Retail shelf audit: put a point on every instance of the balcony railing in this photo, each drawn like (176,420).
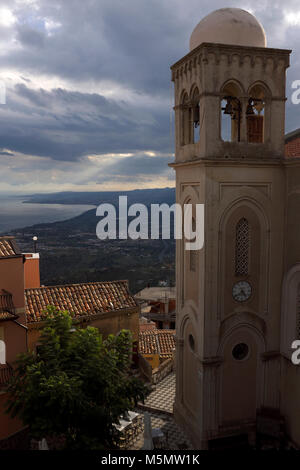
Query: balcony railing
(155,316)
(6,372)
(6,302)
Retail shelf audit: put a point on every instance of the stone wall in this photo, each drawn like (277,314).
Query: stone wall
(162,371)
(156,375)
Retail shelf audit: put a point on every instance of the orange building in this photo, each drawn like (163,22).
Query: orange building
(107,306)
(292,144)
(158,305)
(157,345)
(13,330)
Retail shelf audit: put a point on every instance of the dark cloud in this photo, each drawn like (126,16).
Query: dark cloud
(67,125)
(115,45)
(7,154)
(30,37)
(137,168)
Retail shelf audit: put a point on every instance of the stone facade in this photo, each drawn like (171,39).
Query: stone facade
(237,298)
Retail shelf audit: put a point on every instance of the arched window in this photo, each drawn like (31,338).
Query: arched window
(190,116)
(242,246)
(186,119)
(196,115)
(255,114)
(231,113)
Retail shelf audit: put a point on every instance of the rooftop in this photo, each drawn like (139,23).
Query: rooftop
(8,247)
(292,144)
(7,309)
(156,293)
(160,342)
(79,299)
(292,135)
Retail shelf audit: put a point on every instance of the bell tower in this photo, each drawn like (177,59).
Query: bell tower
(229,118)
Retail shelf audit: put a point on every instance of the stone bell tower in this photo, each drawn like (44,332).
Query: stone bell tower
(230,117)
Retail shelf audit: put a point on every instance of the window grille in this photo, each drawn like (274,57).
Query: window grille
(242,246)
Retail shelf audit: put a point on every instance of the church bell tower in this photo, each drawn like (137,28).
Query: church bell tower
(230,119)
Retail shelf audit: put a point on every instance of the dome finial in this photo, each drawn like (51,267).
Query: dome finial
(229,26)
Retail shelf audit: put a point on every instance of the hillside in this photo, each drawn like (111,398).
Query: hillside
(71,252)
(144,196)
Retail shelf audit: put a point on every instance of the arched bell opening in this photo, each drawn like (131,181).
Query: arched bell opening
(255,115)
(231,113)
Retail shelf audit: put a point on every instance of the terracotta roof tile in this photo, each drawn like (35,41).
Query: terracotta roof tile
(147,326)
(7,316)
(80,299)
(8,247)
(292,148)
(292,144)
(160,342)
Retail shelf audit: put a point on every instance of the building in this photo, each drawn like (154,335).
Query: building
(292,144)
(107,306)
(146,325)
(238,298)
(157,345)
(13,331)
(158,304)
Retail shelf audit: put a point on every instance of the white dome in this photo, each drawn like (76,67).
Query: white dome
(229,26)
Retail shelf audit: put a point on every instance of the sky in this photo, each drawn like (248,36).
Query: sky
(88,91)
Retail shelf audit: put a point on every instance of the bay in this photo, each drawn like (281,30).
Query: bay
(16,214)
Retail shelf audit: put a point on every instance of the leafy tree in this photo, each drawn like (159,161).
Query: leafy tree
(76,385)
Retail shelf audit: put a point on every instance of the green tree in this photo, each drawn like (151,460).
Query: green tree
(76,385)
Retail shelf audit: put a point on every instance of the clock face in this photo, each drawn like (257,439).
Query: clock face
(241,291)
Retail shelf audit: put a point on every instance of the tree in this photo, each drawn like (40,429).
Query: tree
(76,385)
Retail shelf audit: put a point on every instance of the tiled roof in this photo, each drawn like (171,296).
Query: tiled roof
(147,326)
(292,144)
(292,148)
(4,316)
(7,309)
(160,342)
(80,299)
(292,135)
(8,247)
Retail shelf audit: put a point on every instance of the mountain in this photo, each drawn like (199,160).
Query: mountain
(70,251)
(142,196)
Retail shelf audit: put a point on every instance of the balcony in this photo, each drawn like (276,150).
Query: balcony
(6,372)
(7,308)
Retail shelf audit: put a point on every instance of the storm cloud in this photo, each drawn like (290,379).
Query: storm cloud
(89,96)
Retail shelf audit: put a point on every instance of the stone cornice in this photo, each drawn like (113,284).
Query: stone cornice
(247,161)
(200,55)
(211,361)
(269,355)
(292,161)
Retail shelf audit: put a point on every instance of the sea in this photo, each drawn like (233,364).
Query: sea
(14,213)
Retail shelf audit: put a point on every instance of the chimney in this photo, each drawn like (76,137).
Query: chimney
(31,270)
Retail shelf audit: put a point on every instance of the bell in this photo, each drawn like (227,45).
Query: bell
(228,108)
(196,116)
(249,110)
